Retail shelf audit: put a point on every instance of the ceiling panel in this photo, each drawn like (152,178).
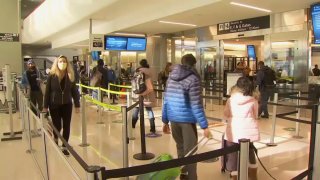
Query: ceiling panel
(217,13)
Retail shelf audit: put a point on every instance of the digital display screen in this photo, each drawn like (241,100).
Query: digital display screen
(95,55)
(116,43)
(251,52)
(315,14)
(136,44)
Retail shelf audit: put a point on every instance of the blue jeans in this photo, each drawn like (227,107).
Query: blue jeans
(135,117)
(95,94)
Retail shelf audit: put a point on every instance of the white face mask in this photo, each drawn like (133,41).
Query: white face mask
(62,66)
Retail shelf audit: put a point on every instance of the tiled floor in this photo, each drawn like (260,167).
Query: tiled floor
(284,161)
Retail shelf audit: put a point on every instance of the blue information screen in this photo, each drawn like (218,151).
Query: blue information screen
(136,44)
(116,43)
(95,55)
(315,13)
(251,51)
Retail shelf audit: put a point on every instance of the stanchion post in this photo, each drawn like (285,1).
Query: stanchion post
(30,150)
(243,159)
(143,155)
(109,86)
(11,118)
(84,121)
(42,114)
(129,116)
(99,107)
(125,140)
(94,173)
(297,136)
(316,146)
(274,119)
(204,99)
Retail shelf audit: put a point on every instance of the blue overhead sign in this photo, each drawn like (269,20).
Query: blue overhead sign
(116,43)
(315,13)
(136,44)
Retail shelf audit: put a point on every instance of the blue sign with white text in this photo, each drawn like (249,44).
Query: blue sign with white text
(136,44)
(116,43)
(315,13)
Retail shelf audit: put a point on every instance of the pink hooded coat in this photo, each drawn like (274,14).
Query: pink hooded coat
(241,112)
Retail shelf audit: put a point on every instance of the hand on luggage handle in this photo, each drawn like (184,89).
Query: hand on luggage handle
(197,145)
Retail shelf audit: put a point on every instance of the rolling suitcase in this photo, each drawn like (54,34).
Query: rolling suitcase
(168,174)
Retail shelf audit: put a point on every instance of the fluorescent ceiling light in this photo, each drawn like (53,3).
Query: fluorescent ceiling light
(251,7)
(130,34)
(177,23)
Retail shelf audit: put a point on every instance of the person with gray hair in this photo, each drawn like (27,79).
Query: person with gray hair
(183,108)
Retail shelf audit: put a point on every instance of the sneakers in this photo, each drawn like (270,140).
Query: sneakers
(265,116)
(65,152)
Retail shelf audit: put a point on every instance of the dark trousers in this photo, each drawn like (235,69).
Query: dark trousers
(62,113)
(36,98)
(232,158)
(186,137)
(265,94)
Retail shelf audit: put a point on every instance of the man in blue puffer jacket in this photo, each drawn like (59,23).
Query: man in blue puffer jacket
(183,108)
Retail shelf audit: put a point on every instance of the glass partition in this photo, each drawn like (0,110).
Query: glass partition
(208,64)
(282,60)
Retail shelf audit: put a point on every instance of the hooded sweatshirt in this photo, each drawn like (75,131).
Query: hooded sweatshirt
(182,99)
(241,112)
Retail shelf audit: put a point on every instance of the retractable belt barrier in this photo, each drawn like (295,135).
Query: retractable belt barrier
(313,171)
(143,169)
(120,86)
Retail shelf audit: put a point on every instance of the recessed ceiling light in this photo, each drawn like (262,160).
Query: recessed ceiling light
(251,7)
(130,34)
(177,23)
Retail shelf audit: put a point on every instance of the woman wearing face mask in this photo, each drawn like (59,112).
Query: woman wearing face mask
(60,90)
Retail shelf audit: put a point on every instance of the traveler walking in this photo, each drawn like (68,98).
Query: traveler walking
(241,113)
(148,95)
(266,83)
(31,80)
(183,108)
(60,91)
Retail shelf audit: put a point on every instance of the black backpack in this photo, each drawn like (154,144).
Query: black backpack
(138,82)
(269,77)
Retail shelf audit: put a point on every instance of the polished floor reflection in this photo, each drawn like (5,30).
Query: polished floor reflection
(284,161)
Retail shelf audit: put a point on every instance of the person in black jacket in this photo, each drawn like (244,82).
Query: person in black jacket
(32,79)
(100,81)
(60,91)
(266,83)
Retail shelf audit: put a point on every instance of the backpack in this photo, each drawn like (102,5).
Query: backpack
(269,77)
(96,78)
(138,82)
(111,75)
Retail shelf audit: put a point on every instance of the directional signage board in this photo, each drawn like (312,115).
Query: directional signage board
(244,25)
(9,37)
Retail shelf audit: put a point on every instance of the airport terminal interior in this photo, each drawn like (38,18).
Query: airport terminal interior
(228,38)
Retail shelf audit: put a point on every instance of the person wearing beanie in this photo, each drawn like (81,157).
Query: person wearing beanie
(183,108)
(31,80)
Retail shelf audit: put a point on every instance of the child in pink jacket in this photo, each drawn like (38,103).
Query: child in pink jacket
(241,113)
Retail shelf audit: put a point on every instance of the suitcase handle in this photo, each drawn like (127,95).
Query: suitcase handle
(197,145)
